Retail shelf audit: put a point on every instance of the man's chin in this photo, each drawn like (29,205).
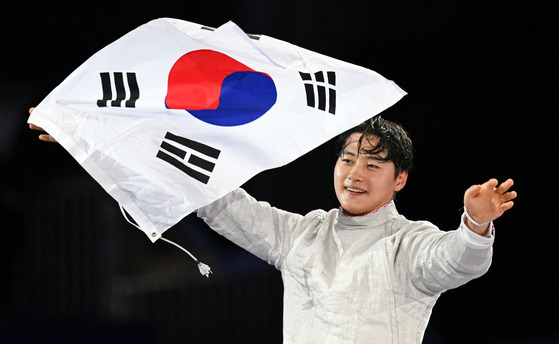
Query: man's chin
(351,212)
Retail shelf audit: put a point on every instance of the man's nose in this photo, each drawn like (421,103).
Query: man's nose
(355,173)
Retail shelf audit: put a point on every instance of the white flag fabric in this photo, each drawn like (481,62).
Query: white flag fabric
(174,115)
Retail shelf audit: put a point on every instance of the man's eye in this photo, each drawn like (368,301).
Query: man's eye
(372,166)
(347,161)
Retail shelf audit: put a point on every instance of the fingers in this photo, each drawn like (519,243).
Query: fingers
(503,190)
(491,183)
(505,186)
(34,127)
(46,138)
(506,206)
(492,187)
(508,196)
(31,110)
(42,137)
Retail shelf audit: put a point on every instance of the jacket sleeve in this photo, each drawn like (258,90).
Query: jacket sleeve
(437,261)
(257,227)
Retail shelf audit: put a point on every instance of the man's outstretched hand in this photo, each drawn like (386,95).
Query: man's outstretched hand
(487,202)
(42,137)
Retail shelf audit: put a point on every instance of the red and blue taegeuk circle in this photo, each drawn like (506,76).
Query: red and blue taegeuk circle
(219,90)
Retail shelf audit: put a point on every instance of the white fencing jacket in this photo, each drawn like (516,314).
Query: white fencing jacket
(376,285)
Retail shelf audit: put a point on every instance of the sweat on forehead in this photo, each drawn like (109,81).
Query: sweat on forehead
(364,144)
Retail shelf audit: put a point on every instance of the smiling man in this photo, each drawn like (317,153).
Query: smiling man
(364,273)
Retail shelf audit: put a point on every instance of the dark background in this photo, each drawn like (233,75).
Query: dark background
(481,79)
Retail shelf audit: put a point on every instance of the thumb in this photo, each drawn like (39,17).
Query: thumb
(472,191)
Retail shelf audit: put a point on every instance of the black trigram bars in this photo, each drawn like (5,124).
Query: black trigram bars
(320,90)
(119,87)
(170,153)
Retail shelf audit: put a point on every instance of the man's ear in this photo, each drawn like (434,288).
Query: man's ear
(401,181)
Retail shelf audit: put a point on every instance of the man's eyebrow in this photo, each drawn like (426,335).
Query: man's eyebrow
(347,152)
(375,157)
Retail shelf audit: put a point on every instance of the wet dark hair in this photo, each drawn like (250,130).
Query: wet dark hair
(392,139)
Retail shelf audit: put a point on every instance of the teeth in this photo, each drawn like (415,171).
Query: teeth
(354,190)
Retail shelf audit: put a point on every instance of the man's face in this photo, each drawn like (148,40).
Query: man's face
(362,182)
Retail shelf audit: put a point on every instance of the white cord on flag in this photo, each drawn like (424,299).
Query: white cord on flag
(204,269)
